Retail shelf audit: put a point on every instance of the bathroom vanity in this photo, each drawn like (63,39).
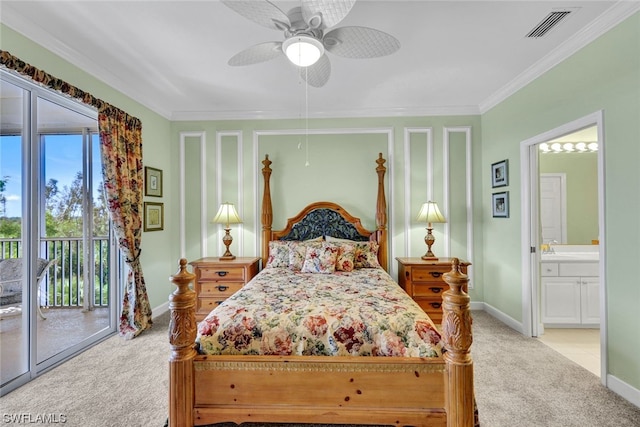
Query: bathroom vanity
(570,285)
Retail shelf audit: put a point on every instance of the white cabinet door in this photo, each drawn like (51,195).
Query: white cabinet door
(590,296)
(561,300)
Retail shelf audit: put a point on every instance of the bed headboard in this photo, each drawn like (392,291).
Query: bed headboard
(325,219)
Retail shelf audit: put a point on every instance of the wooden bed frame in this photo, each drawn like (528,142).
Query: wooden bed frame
(321,389)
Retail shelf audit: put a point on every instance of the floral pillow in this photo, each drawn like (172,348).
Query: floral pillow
(366,255)
(320,259)
(278,254)
(346,257)
(298,251)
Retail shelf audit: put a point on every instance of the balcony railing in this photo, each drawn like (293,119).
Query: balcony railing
(64,283)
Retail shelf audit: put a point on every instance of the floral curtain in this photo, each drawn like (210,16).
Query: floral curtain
(121,148)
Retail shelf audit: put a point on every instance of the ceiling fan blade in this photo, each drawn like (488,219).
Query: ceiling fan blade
(360,42)
(317,75)
(261,12)
(258,53)
(333,11)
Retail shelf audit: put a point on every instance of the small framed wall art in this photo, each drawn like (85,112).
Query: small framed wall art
(500,204)
(500,174)
(153,216)
(152,182)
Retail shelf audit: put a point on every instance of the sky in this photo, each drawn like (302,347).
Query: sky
(63,160)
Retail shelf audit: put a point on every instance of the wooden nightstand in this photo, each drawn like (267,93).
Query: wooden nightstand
(217,280)
(423,281)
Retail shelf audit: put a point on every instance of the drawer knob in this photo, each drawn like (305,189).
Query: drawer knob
(435,304)
(436,290)
(222,288)
(435,273)
(222,273)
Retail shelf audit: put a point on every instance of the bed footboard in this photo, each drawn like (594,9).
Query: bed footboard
(182,336)
(358,390)
(456,328)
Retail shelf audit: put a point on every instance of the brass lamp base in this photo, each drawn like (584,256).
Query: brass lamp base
(227,239)
(429,240)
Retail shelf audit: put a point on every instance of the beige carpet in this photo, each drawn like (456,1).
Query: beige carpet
(519,382)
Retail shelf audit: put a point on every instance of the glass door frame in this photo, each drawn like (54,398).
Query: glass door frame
(32,164)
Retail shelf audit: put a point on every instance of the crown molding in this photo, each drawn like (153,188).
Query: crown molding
(27,29)
(468,110)
(608,20)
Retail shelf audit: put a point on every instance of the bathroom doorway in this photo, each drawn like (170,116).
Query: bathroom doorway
(557,293)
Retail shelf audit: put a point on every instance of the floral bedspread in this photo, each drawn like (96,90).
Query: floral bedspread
(282,312)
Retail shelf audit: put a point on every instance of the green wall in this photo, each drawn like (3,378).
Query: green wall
(605,75)
(581,172)
(155,139)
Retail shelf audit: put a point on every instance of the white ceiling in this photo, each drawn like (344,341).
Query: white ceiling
(456,57)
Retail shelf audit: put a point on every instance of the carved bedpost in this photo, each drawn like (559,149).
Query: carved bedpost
(381,212)
(182,335)
(456,328)
(267,211)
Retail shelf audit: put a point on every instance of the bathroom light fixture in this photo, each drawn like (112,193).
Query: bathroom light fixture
(569,147)
(303,50)
(430,213)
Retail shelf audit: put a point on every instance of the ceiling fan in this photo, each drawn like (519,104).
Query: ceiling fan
(306,37)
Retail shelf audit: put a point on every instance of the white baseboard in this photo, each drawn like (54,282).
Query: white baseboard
(504,318)
(160,310)
(625,390)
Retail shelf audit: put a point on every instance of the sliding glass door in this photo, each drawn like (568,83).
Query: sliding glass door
(54,225)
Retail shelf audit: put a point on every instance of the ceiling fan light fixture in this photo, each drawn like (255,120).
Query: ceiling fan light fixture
(303,51)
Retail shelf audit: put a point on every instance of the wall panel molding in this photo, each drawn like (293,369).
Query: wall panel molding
(202,137)
(446,161)
(387,131)
(408,212)
(238,236)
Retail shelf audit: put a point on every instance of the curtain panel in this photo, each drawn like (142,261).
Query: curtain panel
(121,149)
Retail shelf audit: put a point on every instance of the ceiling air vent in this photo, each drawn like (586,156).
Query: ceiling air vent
(548,23)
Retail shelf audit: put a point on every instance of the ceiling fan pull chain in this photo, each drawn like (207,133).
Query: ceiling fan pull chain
(306,102)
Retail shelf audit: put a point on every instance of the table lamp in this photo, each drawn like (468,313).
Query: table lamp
(430,213)
(227,215)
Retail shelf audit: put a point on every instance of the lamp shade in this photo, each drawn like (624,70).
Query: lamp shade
(430,213)
(303,50)
(227,214)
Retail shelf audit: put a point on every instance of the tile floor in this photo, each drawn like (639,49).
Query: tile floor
(62,329)
(579,345)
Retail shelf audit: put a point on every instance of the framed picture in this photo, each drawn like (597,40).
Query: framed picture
(152,182)
(500,205)
(153,216)
(500,174)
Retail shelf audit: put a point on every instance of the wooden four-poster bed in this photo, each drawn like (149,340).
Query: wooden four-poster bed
(311,388)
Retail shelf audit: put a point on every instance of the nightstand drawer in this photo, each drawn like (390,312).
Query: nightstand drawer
(205,305)
(429,304)
(426,274)
(231,274)
(219,290)
(217,280)
(424,281)
(429,289)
